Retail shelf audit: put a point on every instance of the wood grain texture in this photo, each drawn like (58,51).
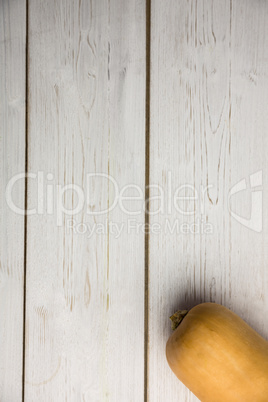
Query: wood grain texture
(12,156)
(208,131)
(85,284)
(248,161)
(85,296)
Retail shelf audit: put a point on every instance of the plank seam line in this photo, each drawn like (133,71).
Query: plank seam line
(25,193)
(147,194)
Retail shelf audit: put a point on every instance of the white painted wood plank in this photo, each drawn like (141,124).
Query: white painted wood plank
(209,125)
(12,156)
(85,295)
(249,164)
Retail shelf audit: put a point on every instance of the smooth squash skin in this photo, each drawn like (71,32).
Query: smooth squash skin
(218,356)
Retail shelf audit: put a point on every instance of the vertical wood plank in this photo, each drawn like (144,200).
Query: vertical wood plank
(208,132)
(85,291)
(249,164)
(12,155)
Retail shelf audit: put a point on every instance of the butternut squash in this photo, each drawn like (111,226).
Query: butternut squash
(218,356)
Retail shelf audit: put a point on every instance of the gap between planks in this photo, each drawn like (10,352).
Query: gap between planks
(147,195)
(25,193)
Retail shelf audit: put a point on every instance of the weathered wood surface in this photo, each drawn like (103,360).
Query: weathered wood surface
(209,96)
(12,156)
(86,116)
(85,296)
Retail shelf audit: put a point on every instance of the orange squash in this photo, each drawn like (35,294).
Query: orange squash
(218,356)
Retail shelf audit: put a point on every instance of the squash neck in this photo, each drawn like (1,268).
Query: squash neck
(177,318)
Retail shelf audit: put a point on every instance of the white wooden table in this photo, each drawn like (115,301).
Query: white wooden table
(100,99)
